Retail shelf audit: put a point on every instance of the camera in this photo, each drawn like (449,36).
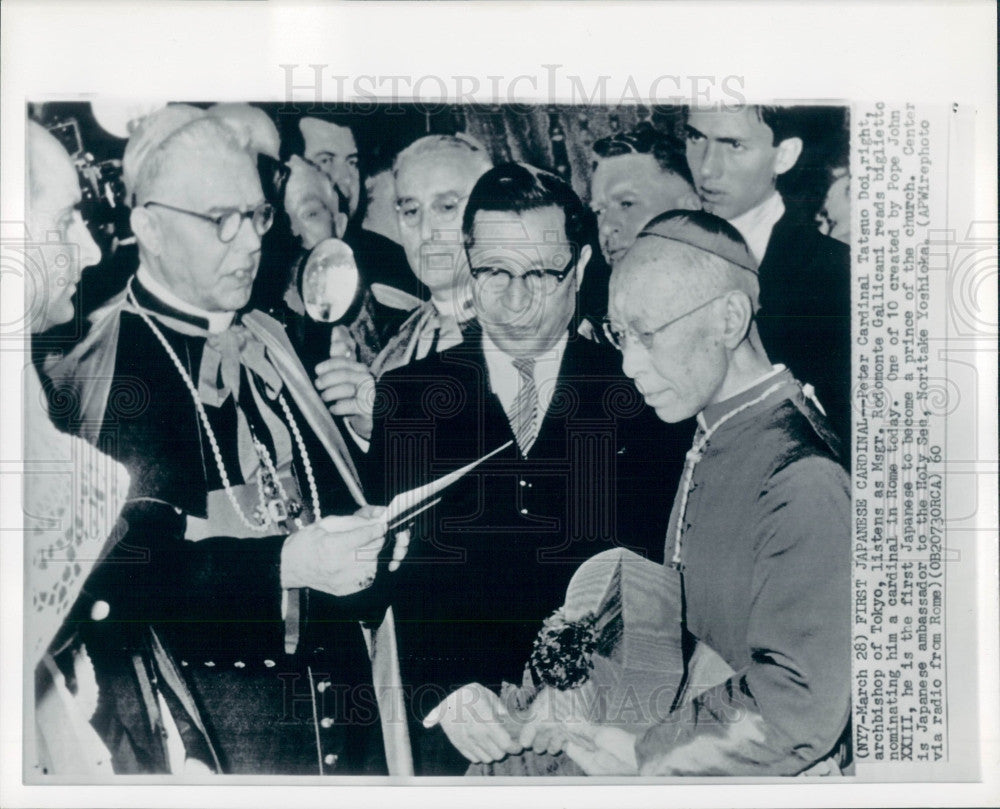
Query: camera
(104,200)
(104,205)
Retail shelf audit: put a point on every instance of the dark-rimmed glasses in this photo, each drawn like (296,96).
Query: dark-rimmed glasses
(617,337)
(494,281)
(228,223)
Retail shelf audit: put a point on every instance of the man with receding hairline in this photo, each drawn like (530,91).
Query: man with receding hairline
(54,197)
(637,175)
(433,176)
(760,526)
(225,642)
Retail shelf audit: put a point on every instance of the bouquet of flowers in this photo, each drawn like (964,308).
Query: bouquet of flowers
(616,642)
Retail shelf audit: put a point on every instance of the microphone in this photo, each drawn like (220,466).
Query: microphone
(330,281)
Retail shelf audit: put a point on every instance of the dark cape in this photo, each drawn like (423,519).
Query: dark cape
(210,610)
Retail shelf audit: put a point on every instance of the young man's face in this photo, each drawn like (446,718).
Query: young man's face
(626,192)
(733,159)
(524,315)
(336,155)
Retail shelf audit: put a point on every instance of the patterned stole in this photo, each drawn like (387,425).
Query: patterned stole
(425,332)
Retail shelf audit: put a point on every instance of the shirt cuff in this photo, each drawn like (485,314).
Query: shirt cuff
(363,443)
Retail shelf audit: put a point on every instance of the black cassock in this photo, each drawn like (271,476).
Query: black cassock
(217,652)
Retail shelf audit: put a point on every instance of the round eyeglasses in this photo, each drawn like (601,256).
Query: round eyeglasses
(618,337)
(228,223)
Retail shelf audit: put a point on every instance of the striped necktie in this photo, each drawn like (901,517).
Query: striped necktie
(525,410)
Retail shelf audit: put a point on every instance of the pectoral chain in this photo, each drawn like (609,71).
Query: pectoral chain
(275,505)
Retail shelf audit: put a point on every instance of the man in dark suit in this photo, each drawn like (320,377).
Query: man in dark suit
(588,467)
(736,157)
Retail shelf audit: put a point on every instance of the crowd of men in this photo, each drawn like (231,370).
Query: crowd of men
(252,602)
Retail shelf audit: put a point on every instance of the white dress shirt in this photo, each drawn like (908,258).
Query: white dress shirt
(755,225)
(505,379)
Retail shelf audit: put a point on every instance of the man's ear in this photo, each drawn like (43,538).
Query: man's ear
(789,151)
(146,228)
(581,263)
(739,314)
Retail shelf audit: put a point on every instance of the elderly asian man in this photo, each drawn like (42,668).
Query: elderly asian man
(760,526)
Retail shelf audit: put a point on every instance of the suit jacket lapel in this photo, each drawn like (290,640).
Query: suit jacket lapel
(573,370)
(495,420)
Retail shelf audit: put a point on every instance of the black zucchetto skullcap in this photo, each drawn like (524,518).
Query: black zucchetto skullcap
(703,231)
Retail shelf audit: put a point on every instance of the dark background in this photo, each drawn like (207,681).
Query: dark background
(521,132)
(553,137)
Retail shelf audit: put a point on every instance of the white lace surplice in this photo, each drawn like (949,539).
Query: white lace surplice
(72,496)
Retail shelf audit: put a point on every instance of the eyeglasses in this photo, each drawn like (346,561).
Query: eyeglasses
(228,223)
(494,281)
(618,337)
(445,208)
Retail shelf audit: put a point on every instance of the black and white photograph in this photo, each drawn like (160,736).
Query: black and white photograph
(404,432)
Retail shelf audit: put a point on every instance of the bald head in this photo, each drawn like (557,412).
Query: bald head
(63,245)
(445,148)
(682,301)
(171,161)
(685,257)
(49,165)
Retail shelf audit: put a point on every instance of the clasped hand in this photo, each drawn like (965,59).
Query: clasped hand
(472,717)
(346,385)
(557,722)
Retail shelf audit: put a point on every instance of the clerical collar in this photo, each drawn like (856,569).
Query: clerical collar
(755,225)
(213,322)
(778,375)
